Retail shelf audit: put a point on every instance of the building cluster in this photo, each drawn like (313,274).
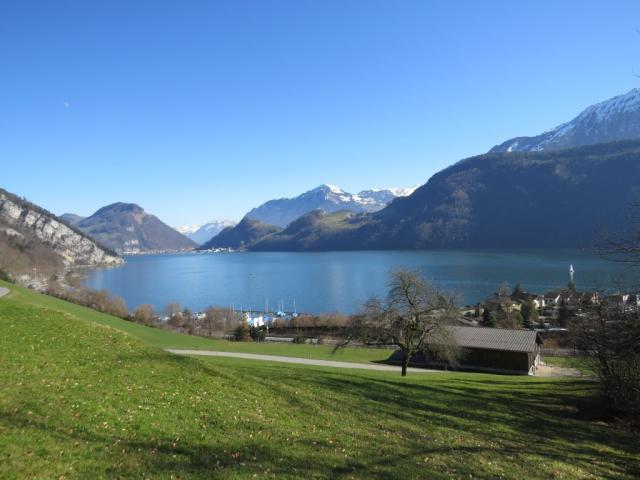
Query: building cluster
(262,319)
(545,311)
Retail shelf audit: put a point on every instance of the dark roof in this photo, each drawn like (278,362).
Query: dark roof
(564,292)
(496,338)
(498,299)
(524,296)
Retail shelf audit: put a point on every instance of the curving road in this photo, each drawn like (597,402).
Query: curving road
(302,361)
(3,291)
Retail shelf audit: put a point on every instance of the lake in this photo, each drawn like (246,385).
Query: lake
(339,281)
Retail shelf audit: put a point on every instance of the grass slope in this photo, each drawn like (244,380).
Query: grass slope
(83,400)
(167,339)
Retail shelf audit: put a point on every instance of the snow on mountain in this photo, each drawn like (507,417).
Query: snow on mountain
(203,233)
(326,197)
(384,196)
(188,229)
(615,119)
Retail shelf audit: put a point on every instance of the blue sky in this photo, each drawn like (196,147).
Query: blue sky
(202,110)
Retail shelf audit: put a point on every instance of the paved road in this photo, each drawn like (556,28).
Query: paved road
(3,291)
(303,361)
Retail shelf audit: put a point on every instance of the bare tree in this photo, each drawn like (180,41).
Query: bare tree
(609,336)
(411,318)
(174,313)
(144,314)
(218,320)
(623,245)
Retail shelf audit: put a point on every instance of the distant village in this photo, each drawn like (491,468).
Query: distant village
(545,312)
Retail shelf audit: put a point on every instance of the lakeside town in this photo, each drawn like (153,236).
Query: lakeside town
(511,331)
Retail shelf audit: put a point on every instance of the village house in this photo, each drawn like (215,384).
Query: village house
(629,302)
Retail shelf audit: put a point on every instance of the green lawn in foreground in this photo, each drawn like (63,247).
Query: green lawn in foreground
(167,339)
(81,400)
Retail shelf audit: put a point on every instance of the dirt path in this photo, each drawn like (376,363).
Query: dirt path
(553,371)
(303,361)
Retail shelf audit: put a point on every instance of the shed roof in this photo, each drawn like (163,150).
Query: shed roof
(496,338)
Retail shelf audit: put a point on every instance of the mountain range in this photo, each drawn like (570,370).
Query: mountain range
(563,198)
(329,198)
(127,228)
(559,189)
(203,233)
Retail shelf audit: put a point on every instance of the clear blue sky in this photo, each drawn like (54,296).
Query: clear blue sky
(201,110)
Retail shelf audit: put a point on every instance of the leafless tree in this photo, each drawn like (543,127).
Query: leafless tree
(218,320)
(609,336)
(174,313)
(411,318)
(623,246)
(144,314)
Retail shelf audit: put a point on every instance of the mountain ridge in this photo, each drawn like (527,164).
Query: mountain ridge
(34,240)
(242,235)
(557,198)
(127,228)
(617,118)
(282,211)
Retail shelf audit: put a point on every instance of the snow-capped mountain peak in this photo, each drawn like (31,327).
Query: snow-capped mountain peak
(326,197)
(332,189)
(187,229)
(203,233)
(615,119)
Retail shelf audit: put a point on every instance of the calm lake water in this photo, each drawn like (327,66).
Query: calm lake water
(339,281)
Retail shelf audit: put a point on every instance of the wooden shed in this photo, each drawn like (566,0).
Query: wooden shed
(498,350)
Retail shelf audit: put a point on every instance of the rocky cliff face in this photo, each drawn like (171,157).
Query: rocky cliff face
(72,246)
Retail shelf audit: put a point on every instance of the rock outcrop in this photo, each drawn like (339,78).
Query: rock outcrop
(74,247)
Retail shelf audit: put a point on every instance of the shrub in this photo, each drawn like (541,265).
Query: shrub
(610,337)
(5,276)
(242,332)
(258,334)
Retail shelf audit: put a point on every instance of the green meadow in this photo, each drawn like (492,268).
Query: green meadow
(168,339)
(85,395)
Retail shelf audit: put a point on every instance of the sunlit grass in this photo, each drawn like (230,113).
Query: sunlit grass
(167,339)
(82,400)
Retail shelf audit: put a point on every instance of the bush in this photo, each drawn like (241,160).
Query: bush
(242,332)
(258,334)
(299,339)
(5,276)
(610,337)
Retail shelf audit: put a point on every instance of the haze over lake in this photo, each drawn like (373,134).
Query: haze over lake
(339,281)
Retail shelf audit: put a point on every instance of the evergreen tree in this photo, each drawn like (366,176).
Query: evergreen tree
(488,318)
(243,332)
(517,290)
(564,314)
(529,314)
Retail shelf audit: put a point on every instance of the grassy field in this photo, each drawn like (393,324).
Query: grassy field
(84,400)
(167,339)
